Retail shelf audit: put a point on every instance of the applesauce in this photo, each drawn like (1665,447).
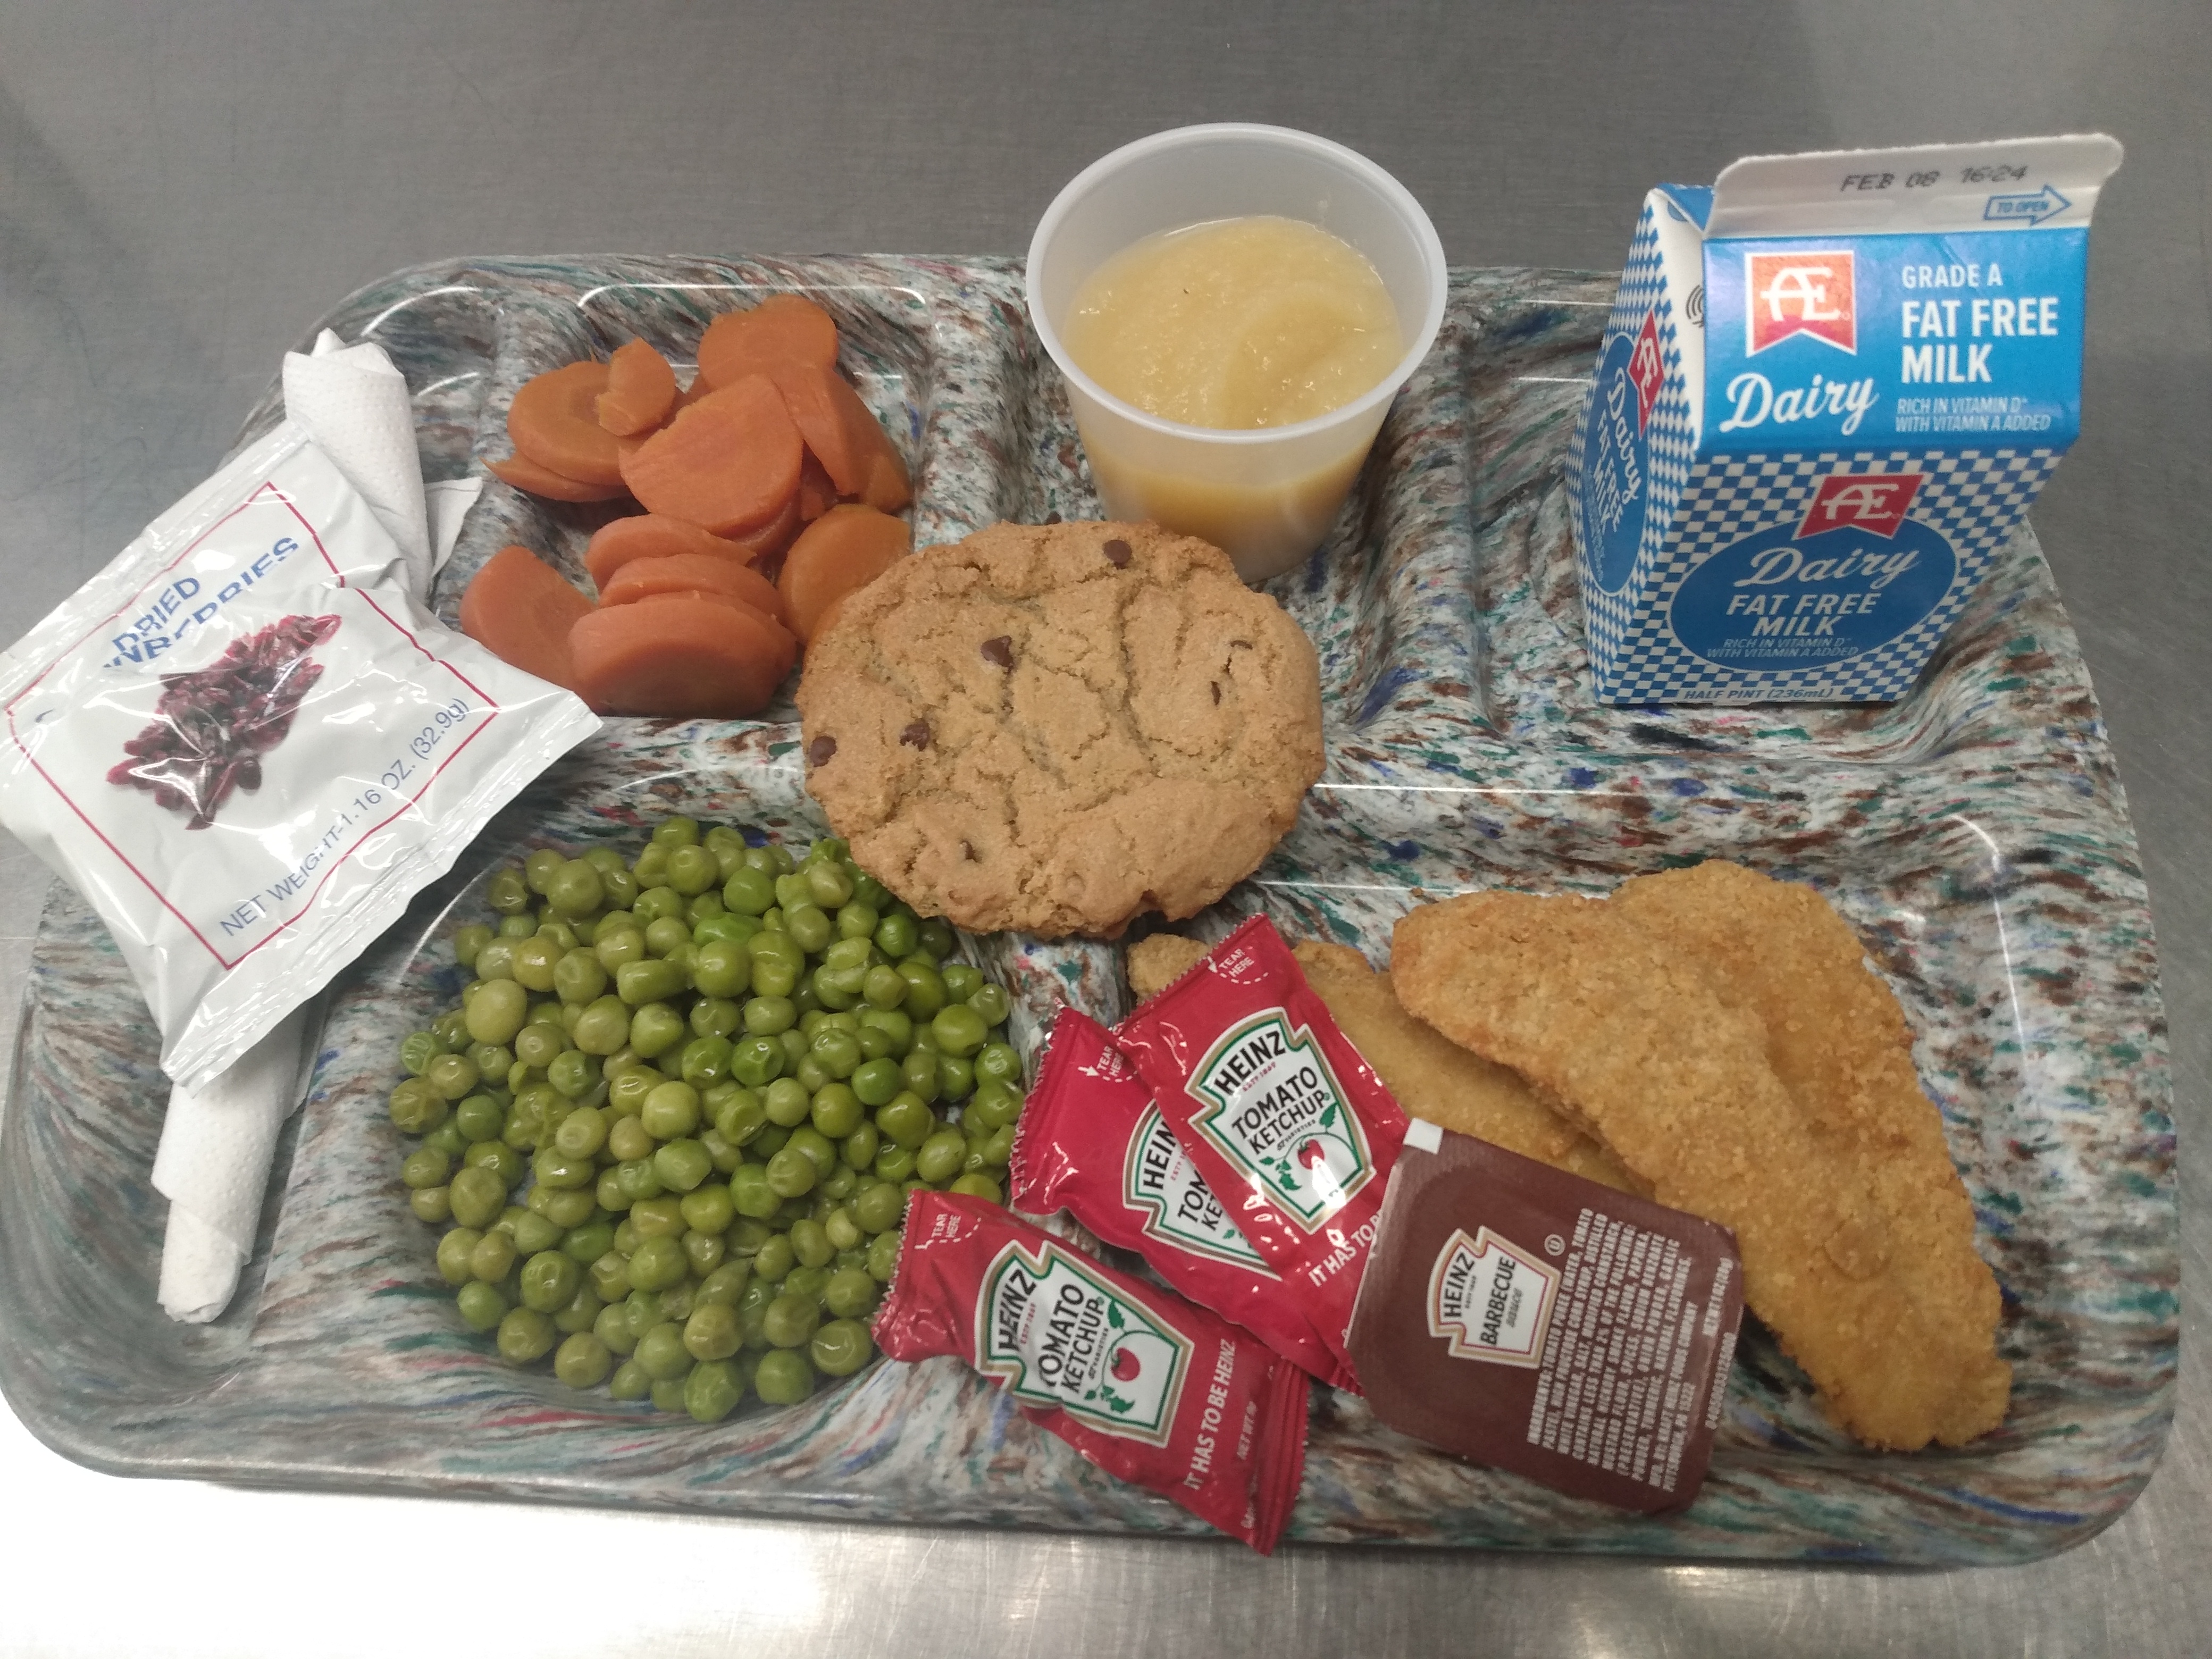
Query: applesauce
(1258,321)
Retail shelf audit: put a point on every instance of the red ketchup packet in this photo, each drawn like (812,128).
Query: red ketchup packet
(1280,1114)
(1151,1389)
(1092,1142)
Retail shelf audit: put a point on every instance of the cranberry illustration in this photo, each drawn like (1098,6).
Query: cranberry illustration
(1311,1155)
(1125,1365)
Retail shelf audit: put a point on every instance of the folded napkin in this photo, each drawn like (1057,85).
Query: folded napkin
(217,1143)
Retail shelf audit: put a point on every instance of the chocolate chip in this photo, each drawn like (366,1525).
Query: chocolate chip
(1118,551)
(1052,518)
(999,651)
(967,851)
(819,751)
(916,736)
(1216,691)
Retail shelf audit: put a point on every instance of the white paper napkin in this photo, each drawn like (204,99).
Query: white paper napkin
(217,1143)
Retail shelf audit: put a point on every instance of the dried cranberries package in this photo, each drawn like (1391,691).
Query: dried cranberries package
(1092,1142)
(1285,1121)
(248,746)
(1150,1387)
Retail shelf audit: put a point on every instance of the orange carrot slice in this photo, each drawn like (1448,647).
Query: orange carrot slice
(840,552)
(640,387)
(521,610)
(554,420)
(652,536)
(728,463)
(525,474)
(817,494)
(772,538)
(680,654)
(694,572)
(843,434)
(783,327)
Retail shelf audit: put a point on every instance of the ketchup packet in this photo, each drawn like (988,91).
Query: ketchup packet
(1093,1143)
(248,746)
(1527,1318)
(1149,1388)
(1279,1114)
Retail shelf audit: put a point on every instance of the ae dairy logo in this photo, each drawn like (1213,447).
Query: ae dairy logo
(1271,1104)
(1059,1335)
(1489,1299)
(1873,502)
(1647,369)
(1806,291)
(1158,1179)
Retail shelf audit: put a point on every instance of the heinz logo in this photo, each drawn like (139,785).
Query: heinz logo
(1873,502)
(1646,369)
(1806,292)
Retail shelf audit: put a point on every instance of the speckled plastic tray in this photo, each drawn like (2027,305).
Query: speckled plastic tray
(1974,833)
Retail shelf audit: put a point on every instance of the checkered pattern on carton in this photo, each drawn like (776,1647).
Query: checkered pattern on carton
(1974,499)
(1671,433)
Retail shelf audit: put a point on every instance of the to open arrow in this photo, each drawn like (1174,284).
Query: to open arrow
(2023,210)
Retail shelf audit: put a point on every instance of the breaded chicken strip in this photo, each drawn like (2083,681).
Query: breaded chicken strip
(1839,1043)
(1430,1076)
(1625,1032)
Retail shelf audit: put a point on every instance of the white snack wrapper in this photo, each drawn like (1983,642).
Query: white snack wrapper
(407,739)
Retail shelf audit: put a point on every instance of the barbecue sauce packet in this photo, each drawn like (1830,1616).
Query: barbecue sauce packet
(1092,1142)
(1531,1319)
(1152,1389)
(1280,1115)
(248,744)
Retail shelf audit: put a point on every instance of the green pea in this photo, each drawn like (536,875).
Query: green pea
(681,1165)
(431,1205)
(693,870)
(425,1167)
(574,1074)
(857,921)
(534,961)
(918,1071)
(672,1109)
(790,1320)
(874,1082)
(906,1120)
(809,1243)
(894,936)
(712,1333)
(674,831)
(449,1077)
(750,1194)
(705,1061)
(756,1061)
(617,948)
(640,982)
(839,1182)
(492,1257)
(778,961)
(707,1208)
(661,1352)
(925,989)
(655,1029)
(579,976)
(991,1001)
(766,1016)
(749,892)
(582,1360)
(956,1077)
(879,1209)
(627,1139)
(530,1231)
(882,1255)
(657,1263)
(787,1102)
(784,1377)
(978,1184)
(613,1327)
(638,1181)
(478,1195)
(792,1173)
(610,1279)
(586,1243)
(842,1346)
(794,1045)
(549,1279)
(816,1145)
(774,1258)
(894,1162)
(841,1230)
(961,980)
(564,1207)
(555,1168)
(994,1105)
(740,1117)
(507,892)
(574,887)
(608,1192)
(417,1050)
(808,928)
(658,1217)
(998,1062)
(882,988)
(454,1254)
(581,1312)
(502,1161)
(837,1052)
(959,1029)
(482,1305)
(658,902)
(713,1389)
(939,1158)
(539,867)
(837,1110)
(858,1149)
(807,1281)
(630,1382)
(582,1133)
(537,1045)
(827,885)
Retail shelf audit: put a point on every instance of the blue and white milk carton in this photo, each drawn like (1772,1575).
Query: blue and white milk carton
(1830,386)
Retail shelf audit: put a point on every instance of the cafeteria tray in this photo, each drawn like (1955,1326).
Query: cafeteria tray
(1974,833)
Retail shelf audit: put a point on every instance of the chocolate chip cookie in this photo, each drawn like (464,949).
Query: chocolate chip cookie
(1058,727)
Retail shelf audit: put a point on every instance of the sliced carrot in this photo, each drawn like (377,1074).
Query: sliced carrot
(688,572)
(681,654)
(652,536)
(640,387)
(727,463)
(840,552)
(521,610)
(817,494)
(525,474)
(554,420)
(783,327)
(843,432)
(772,538)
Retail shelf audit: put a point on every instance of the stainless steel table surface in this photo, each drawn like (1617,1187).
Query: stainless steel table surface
(184,187)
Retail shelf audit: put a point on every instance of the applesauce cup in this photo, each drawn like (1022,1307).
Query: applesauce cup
(1265,495)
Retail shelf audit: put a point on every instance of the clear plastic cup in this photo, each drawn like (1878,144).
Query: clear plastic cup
(1266,495)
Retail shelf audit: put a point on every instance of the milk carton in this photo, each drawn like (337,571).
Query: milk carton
(1830,386)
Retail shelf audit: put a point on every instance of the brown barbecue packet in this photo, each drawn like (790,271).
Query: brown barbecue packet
(1529,1319)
